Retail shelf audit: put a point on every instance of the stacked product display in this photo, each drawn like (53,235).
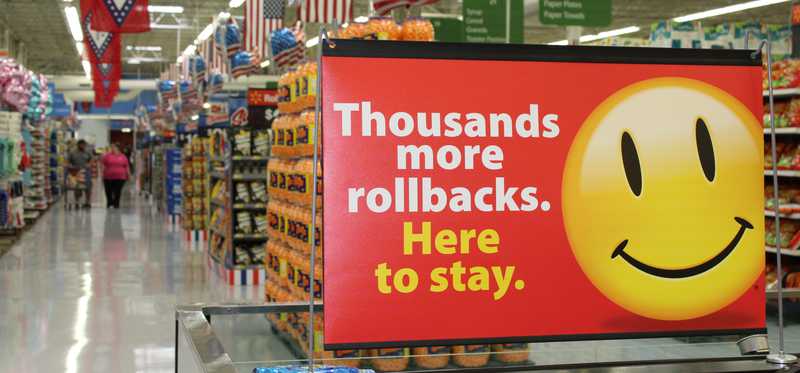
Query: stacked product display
(158,174)
(238,200)
(290,225)
(194,184)
(38,191)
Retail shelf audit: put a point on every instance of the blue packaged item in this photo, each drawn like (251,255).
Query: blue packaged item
(304,369)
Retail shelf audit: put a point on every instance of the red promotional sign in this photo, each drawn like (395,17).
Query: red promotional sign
(262,97)
(523,193)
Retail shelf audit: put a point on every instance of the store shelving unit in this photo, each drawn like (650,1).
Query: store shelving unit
(792,254)
(195,196)
(237,205)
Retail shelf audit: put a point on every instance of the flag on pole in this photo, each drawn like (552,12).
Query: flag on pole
(121,16)
(261,18)
(326,11)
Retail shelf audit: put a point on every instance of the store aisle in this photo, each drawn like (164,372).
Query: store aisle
(95,291)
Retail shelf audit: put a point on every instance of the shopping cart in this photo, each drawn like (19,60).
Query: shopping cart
(76,187)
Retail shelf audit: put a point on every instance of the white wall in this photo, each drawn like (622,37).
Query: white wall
(94,130)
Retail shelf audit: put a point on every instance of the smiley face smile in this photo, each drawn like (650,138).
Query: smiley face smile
(686,272)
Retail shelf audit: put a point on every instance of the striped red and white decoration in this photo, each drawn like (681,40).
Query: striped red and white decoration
(252,276)
(259,22)
(218,61)
(326,11)
(384,7)
(291,56)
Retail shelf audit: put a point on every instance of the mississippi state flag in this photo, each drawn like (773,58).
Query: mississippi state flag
(101,47)
(121,16)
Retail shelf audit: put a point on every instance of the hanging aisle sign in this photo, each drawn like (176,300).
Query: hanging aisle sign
(582,193)
(595,13)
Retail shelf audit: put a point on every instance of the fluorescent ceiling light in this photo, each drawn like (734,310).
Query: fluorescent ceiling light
(74,23)
(361,19)
(125,130)
(609,34)
(144,48)
(174,9)
(189,50)
(727,9)
(601,35)
(169,27)
(312,42)
(206,33)
(139,60)
(235,3)
(79,48)
(87,68)
(265,63)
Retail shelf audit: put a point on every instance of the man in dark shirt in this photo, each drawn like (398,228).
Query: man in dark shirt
(79,160)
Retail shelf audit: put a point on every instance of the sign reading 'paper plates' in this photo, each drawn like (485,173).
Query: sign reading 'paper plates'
(575,12)
(558,193)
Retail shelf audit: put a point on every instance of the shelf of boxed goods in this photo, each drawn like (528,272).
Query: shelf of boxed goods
(238,188)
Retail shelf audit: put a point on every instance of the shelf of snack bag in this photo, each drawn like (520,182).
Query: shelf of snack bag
(195,195)
(237,222)
(37,192)
(290,218)
(157,176)
(57,152)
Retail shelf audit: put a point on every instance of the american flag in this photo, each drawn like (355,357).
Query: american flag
(291,55)
(218,59)
(260,18)
(326,11)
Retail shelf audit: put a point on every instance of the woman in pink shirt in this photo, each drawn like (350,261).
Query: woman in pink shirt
(115,173)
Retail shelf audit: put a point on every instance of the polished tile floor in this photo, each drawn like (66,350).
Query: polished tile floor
(95,291)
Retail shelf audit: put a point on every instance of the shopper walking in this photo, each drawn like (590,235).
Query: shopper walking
(79,160)
(116,171)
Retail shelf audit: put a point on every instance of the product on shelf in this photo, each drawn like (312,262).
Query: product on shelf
(789,233)
(471,356)
(389,359)
(383,28)
(788,199)
(788,154)
(417,29)
(511,352)
(431,357)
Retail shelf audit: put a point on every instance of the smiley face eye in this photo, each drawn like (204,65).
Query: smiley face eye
(705,149)
(630,161)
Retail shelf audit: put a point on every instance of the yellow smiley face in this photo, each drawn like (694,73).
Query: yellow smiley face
(663,198)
